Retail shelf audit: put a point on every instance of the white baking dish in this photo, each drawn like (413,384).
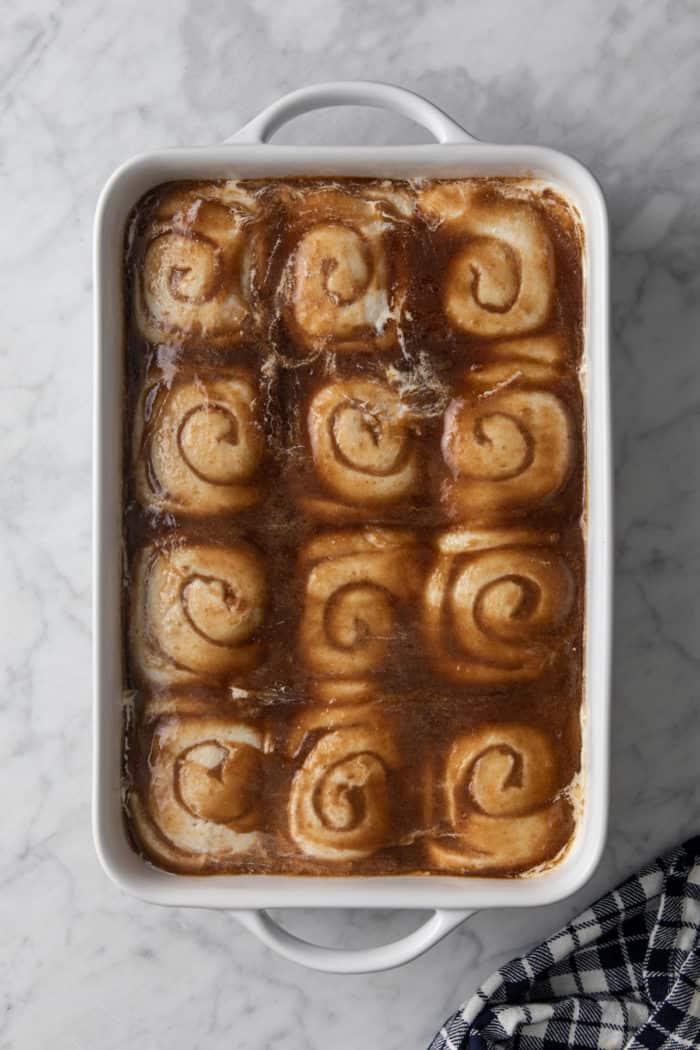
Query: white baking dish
(458,154)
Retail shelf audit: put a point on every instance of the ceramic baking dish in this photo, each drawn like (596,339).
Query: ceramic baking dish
(246,155)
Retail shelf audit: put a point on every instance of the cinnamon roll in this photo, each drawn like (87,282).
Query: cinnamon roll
(508,444)
(495,604)
(355,581)
(196,612)
(340,801)
(196,265)
(201,806)
(501,275)
(342,287)
(364,448)
(502,803)
(198,445)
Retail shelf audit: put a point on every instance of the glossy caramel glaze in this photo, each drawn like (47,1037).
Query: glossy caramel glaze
(354,526)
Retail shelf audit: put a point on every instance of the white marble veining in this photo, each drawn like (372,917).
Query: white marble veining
(82,86)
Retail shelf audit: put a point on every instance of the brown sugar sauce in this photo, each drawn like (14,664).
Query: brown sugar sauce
(406,613)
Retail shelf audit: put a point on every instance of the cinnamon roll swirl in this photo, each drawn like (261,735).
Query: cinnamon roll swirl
(198,445)
(340,802)
(196,612)
(364,447)
(202,804)
(354,584)
(341,289)
(495,604)
(196,265)
(501,277)
(502,803)
(508,444)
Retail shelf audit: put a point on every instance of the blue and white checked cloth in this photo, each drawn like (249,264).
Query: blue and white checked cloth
(624,974)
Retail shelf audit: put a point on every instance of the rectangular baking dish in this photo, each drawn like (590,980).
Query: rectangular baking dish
(247,155)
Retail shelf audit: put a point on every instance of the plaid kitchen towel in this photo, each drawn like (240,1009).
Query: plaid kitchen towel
(624,974)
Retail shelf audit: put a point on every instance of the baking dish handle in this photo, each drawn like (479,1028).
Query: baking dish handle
(351,960)
(352,93)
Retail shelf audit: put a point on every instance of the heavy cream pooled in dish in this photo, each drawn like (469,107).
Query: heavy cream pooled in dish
(353,521)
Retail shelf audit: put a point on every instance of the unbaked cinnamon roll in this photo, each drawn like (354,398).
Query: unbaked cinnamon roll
(354,584)
(501,799)
(342,288)
(196,265)
(495,605)
(202,803)
(500,279)
(364,448)
(508,443)
(340,802)
(196,612)
(198,445)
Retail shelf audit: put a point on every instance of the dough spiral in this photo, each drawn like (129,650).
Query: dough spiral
(364,447)
(495,604)
(342,289)
(196,612)
(340,802)
(197,262)
(501,276)
(501,802)
(508,443)
(355,581)
(198,446)
(202,805)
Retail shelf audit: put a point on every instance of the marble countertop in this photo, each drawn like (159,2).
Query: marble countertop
(86,85)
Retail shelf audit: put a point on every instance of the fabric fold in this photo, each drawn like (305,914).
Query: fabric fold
(624,975)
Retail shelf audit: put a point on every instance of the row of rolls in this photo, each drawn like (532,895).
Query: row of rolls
(496,440)
(217,264)
(483,609)
(349,786)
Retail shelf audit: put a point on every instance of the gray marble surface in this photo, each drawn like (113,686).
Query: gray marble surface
(82,87)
